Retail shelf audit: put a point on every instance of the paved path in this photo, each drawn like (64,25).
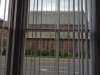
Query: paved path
(47,67)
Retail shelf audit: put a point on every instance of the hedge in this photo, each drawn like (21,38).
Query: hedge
(45,52)
(52,52)
(4,51)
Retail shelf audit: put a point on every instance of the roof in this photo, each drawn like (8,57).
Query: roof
(50,17)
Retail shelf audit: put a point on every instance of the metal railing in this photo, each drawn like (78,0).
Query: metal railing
(49,37)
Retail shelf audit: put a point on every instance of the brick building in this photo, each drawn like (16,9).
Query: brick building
(42,30)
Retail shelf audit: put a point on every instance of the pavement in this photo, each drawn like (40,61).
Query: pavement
(47,66)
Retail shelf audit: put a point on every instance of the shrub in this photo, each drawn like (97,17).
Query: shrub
(3,51)
(84,54)
(44,52)
(37,52)
(27,52)
(52,52)
(63,53)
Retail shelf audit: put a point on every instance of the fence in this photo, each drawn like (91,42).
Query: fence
(44,37)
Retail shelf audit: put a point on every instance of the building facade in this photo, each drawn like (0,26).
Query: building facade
(42,31)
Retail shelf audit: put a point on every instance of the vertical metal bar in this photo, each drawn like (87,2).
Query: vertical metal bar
(28,13)
(90,25)
(18,38)
(95,35)
(86,38)
(24,23)
(24,67)
(63,38)
(31,61)
(91,36)
(9,42)
(28,16)
(40,35)
(68,37)
(33,49)
(58,37)
(73,37)
(40,41)
(79,37)
(34,13)
(36,40)
(12,41)
(82,50)
(50,47)
(46,22)
(55,36)
(96,25)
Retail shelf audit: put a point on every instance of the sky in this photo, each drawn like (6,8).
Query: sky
(46,6)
